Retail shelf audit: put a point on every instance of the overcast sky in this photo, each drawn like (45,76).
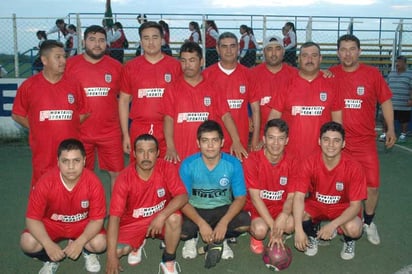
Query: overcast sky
(364,8)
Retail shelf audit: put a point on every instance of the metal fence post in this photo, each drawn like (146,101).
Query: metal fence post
(15,47)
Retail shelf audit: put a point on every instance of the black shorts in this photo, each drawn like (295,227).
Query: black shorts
(212,217)
(403,116)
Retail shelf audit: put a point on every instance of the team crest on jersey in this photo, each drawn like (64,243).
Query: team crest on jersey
(70,98)
(323,96)
(207,101)
(224,181)
(339,186)
(168,77)
(108,78)
(360,90)
(242,89)
(84,204)
(161,192)
(283,180)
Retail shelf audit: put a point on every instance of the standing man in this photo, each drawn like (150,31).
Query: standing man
(144,202)
(234,81)
(307,103)
(51,106)
(336,185)
(362,87)
(217,194)
(270,77)
(400,83)
(143,83)
(99,76)
(68,203)
(270,181)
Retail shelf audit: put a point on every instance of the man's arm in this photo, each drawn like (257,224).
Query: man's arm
(274,114)
(124,101)
(337,116)
(113,263)
(256,125)
(23,121)
(261,207)
(387,110)
(168,129)
(83,117)
(234,209)
(301,240)
(237,147)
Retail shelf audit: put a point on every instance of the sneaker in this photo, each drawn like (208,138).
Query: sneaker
(189,250)
(402,138)
(49,268)
(348,250)
(372,233)
(213,254)
(323,242)
(382,137)
(256,246)
(91,263)
(135,256)
(312,248)
(171,267)
(227,251)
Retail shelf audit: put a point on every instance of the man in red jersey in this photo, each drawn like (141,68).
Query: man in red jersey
(336,185)
(99,76)
(68,203)
(309,101)
(270,77)
(362,88)
(235,82)
(143,83)
(270,181)
(51,106)
(144,202)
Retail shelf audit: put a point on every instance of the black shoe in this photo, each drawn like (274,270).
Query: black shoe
(213,254)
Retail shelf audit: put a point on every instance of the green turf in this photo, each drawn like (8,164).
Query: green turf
(393,219)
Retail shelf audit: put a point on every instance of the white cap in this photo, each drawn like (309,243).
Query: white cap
(273,40)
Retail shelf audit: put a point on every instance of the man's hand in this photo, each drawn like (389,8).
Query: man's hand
(301,241)
(326,232)
(156,226)
(54,252)
(238,150)
(219,232)
(73,250)
(206,232)
(390,138)
(172,156)
(126,145)
(113,265)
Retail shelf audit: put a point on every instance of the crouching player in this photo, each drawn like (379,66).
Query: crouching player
(145,198)
(269,178)
(67,203)
(336,186)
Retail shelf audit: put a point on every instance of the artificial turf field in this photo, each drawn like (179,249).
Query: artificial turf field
(394,221)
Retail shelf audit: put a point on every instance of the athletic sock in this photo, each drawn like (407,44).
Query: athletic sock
(367,219)
(347,238)
(166,257)
(41,255)
(309,228)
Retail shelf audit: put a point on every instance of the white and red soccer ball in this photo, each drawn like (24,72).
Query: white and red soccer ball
(277,258)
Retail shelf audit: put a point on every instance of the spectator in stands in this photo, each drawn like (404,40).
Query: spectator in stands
(141,18)
(116,38)
(247,47)
(195,34)
(72,41)
(37,64)
(212,35)
(400,83)
(290,43)
(166,38)
(61,28)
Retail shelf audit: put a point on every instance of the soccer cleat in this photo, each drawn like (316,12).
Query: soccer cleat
(91,263)
(171,267)
(256,246)
(372,233)
(213,254)
(382,137)
(312,248)
(227,251)
(135,256)
(402,138)
(49,268)
(348,250)
(189,250)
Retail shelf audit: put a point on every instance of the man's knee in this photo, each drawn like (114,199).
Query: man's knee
(29,244)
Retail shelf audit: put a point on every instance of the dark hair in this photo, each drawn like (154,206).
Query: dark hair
(42,34)
(118,25)
(332,126)
(146,137)
(59,21)
(94,29)
(47,45)
(71,27)
(141,18)
(164,25)
(71,144)
(402,57)
(191,47)
(150,24)
(195,25)
(212,24)
(227,34)
(307,45)
(349,37)
(279,123)
(291,25)
(209,126)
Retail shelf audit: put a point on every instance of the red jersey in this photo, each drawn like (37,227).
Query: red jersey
(118,44)
(361,90)
(237,92)
(134,199)
(53,204)
(210,40)
(306,106)
(275,181)
(53,111)
(268,85)
(341,185)
(250,43)
(189,106)
(101,84)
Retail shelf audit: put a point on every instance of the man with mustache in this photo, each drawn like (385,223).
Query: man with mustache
(307,102)
(99,77)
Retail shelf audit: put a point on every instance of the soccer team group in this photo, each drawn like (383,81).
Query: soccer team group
(214,153)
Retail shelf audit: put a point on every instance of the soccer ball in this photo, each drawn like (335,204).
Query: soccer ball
(276,258)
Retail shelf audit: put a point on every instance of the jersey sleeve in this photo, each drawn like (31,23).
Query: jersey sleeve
(382,88)
(185,175)
(20,104)
(36,208)
(125,83)
(358,189)
(174,183)
(302,181)
(119,195)
(169,101)
(97,209)
(238,179)
(251,171)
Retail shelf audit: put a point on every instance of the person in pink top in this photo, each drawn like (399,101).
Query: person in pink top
(363,87)
(51,105)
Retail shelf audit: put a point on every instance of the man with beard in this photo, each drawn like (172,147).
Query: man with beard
(99,76)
